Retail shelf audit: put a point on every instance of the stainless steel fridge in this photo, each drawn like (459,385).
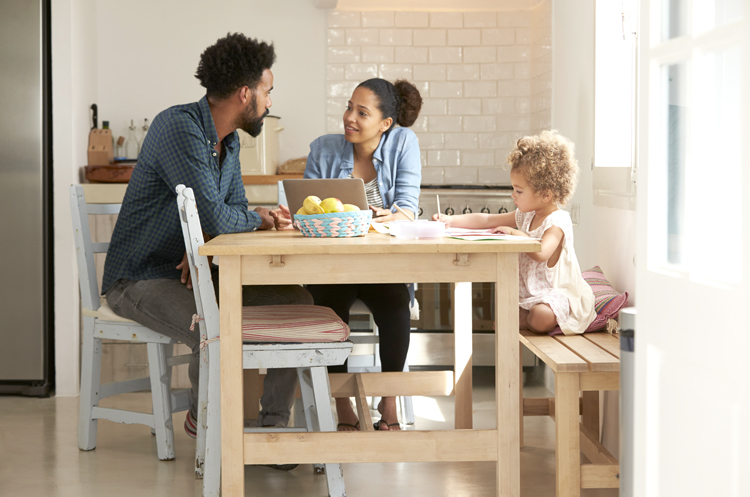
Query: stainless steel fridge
(26,324)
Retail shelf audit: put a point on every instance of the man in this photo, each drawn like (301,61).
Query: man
(146,276)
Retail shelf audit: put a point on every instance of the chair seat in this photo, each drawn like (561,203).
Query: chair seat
(105,313)
(292,323)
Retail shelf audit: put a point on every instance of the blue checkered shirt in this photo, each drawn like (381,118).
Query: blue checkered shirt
(147,240)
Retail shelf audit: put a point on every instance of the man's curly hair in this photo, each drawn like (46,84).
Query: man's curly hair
(233,62)
(548,163)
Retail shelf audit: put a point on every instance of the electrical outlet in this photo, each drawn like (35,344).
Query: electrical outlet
(575,214)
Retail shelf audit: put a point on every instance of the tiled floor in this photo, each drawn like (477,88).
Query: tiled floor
(39,456)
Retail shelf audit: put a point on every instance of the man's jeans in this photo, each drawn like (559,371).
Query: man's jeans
(167,306)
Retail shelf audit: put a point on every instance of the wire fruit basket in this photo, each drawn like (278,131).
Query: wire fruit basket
(334,224)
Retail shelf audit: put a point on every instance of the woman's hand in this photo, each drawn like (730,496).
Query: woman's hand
(381,215)
(282,219)
(442,217)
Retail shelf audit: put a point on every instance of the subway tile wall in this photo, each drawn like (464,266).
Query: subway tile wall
(484,77)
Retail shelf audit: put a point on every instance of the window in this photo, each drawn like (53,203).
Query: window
(695,139)
(615,103)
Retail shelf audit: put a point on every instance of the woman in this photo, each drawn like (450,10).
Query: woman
(387,159)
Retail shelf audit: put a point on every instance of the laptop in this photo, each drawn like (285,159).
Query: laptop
(348,190)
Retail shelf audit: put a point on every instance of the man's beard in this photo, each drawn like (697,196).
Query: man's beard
(249,122)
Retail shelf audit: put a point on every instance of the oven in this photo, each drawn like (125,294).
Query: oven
(431,343)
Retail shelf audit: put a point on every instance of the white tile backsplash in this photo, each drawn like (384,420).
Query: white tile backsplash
(396,37)
(446,89)
(412,19)
(362,36)
(434,106)
(464,106)
(461,141)
(446,20)
(499,36)
(485,124)
(430,37)
(464,37)
(336,37)
(485,79)
(377,54)
(443,158)
(360,72)
(378,19)
(445,123)
(392,72)
(463,72)
(340,19)
(480,54)
(445,55)
(414,55)
(480,19)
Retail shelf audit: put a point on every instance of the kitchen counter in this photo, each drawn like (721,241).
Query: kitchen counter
(261,190)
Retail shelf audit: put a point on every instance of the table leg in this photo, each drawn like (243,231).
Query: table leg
(232,456)
(462,329)
(506,377)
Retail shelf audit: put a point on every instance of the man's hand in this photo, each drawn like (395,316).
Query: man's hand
(282,218)
(185,268)
(267,220)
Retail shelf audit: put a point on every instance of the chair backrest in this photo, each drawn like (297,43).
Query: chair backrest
(85,248)
(200,270)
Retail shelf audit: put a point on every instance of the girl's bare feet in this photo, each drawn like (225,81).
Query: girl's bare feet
(389,416)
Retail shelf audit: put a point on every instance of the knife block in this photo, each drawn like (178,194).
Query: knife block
(100,151)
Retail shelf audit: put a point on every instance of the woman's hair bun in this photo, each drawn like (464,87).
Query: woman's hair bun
(410,103)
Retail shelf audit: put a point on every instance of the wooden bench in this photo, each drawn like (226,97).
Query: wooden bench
(583,366)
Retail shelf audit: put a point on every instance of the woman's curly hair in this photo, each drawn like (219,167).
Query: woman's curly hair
(548,163)
(233,62)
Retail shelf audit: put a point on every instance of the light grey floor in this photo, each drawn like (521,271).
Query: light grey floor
(39,456)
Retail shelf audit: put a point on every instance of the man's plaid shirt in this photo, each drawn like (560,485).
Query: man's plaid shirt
(147,240)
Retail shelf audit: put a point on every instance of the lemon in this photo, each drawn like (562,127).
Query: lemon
(351,207)
(302,211)
(332,204)
(312,205)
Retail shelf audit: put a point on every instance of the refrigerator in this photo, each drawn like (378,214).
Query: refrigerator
(26,316)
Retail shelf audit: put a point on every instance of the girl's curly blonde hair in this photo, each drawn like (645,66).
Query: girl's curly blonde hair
(548,163)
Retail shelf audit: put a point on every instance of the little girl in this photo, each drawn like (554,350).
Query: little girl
(552,291)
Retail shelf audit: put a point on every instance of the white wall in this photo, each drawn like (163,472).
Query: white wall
(73,91)
(605,236)
(148,53)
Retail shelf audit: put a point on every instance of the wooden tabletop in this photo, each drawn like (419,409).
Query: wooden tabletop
(290,242)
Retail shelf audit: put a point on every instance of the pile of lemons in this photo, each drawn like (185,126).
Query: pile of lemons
(313,205)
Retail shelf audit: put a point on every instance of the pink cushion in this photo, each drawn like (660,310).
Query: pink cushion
(608,300)
(292,323)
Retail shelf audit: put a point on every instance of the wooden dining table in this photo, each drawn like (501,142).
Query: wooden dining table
(288,257)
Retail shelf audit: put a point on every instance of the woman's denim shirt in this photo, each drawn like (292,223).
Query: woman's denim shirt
(396,160)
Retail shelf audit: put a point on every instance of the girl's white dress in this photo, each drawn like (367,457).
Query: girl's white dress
(561,286)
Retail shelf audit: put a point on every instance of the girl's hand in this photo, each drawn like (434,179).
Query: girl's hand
(507,230)
(442,217)
(381,215)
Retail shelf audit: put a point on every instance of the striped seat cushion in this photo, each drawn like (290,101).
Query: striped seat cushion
(292,323)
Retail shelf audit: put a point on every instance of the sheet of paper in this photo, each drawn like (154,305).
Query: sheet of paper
(380,227)
(478,235)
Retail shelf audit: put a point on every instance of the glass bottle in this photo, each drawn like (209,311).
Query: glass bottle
(131,144)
